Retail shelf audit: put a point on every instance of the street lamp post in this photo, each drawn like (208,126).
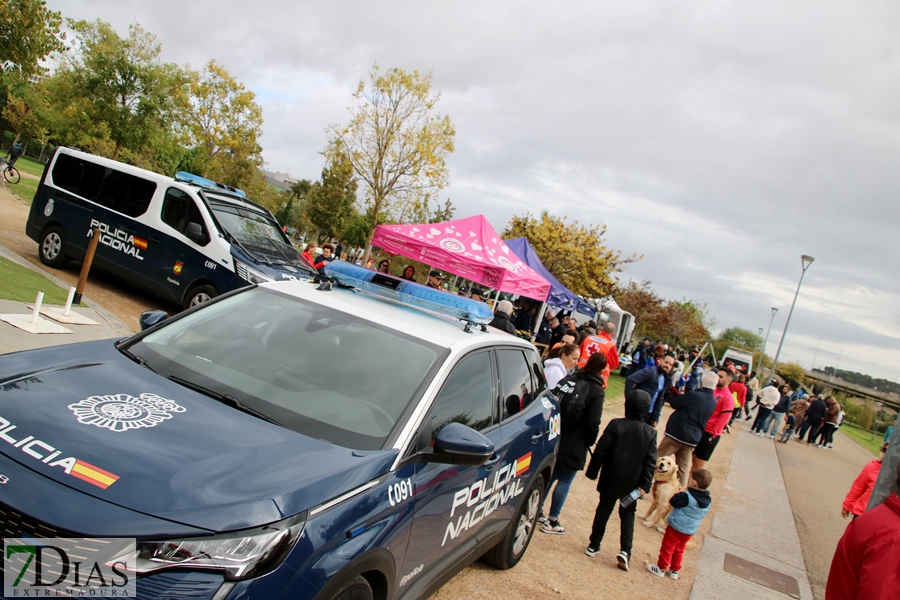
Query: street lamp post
(805,261)
(763,353)
(813,366)
(837,366)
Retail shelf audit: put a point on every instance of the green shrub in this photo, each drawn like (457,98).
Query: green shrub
(867,416)
(852,412)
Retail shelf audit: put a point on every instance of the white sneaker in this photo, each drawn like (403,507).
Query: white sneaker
(654,568)
(550,527)
(622,559)
(673,574)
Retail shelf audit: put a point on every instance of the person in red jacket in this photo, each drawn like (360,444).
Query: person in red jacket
(602,342)
(866,563)
(858,497)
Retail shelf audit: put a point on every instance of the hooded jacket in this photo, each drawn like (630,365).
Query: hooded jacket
(554,371)
(625,456)
(503,322)
(690,506)
(651,380)
(692,411)
(865,561)
(574,441)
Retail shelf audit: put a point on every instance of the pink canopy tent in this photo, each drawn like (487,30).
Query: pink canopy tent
(469,248)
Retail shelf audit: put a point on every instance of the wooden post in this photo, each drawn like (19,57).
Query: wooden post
(86,265)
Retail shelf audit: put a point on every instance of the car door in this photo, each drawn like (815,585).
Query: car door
(524,425)
(453,502)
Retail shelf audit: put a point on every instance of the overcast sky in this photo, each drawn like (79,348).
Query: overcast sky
(720,139)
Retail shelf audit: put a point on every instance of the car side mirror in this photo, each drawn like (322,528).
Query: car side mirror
(457,444)
(152,317)
(195,234)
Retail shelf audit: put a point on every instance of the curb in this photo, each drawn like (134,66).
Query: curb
(112,320)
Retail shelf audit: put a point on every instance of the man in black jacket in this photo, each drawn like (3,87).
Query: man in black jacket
(654,381)
(625,458)
(814,415)
(502,319)
(685,426)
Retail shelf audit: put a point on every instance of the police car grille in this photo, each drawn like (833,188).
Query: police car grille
(241,271)
(14,524)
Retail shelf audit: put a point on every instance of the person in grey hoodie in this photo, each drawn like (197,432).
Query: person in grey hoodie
(560,363)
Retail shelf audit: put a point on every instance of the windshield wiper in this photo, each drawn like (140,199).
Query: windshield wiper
(138,359)
(224,399)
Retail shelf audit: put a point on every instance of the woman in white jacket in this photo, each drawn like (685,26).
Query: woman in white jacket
(561,362)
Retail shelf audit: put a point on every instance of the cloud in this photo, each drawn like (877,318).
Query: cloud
(720,140)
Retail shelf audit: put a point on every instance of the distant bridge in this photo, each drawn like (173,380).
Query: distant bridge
(888,399)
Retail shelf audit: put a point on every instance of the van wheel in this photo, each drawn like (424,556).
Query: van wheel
(199,294)
(355,589)
(52,248)
(511,548)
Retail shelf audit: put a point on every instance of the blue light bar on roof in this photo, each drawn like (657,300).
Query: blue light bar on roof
(408,292)
(208,184)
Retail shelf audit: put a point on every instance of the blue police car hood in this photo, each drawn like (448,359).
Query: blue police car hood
(91,419)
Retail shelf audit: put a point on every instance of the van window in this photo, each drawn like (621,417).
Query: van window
(78,176)
(126,193)
(179,209)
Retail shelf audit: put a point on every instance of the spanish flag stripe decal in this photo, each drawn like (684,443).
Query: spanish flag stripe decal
(92,474)
(142,244)
(523,464)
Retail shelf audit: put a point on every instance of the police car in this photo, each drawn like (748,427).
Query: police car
(364,437)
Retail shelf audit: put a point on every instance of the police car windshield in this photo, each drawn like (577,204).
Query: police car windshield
(256,232)
(320,372)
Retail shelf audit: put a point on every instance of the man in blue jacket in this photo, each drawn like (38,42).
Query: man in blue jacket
(653,381)
(685,426)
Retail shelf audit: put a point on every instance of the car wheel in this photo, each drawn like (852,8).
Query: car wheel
(511,548)
(355,589)
(52,248)
(199,294)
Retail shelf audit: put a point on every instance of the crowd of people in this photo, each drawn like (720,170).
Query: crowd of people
(705,403)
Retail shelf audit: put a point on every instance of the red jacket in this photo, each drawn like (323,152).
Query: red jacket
(858,497)
(866,563)
(602,342)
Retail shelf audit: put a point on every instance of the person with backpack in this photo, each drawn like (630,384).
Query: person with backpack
(580,408)
(625,458)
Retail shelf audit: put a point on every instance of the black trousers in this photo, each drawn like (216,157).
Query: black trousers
(813,430)
(626,516)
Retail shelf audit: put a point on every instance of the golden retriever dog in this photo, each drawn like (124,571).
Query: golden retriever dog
(665,485)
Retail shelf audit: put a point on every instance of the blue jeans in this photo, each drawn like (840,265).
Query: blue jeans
(774,419)
(563,477)
(787,434)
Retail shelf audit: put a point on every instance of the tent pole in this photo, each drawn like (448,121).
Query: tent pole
(496,300)
(540,318)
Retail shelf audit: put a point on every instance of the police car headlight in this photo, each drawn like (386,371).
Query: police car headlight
(244,556)
(251,275)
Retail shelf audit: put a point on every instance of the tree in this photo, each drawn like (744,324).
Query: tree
(29,32)
(222,123)
(395,141)
(443,212)
(123,87)
(791,372)
(688,321)
(25,113)
(332,199)
(574,253)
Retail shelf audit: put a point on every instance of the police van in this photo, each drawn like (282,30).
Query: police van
(186,239)
(361,439)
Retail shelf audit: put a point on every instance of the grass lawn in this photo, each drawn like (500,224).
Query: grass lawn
(615,388)
(863,437)
(21,284)
(29,165)
(25,189)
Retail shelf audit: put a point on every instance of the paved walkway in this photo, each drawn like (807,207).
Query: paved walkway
(13,339)
(753,532)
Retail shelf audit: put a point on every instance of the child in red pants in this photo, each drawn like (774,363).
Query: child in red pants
(689,508)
